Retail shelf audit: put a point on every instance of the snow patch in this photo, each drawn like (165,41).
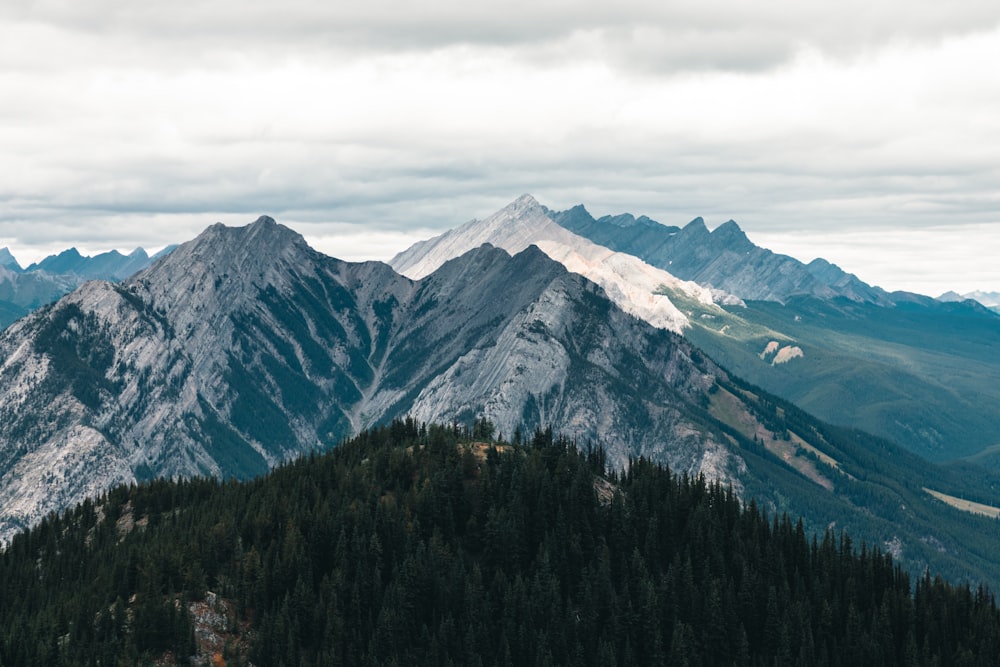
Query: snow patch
(775,354)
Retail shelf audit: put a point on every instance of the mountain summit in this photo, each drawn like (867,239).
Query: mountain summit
(8,261)
(634,286)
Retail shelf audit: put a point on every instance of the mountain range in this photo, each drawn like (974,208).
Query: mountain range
(244,348)
(724,258)
(23,290)
(989,299)
(903,366)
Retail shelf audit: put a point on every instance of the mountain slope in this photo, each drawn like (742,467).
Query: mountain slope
(919,372)
(899,365)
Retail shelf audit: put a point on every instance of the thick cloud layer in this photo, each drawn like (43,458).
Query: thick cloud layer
(366,125)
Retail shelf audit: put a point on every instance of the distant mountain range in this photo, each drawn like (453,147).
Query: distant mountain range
(23,290)
(900,365)
(724,259)
(989,299)
(244,348)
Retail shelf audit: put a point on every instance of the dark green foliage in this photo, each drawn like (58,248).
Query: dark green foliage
(253,410)
(887,481)
(411,545)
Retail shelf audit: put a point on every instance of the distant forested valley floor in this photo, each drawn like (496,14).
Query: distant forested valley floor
(434,545)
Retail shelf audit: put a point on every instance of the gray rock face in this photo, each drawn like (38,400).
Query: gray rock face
(245,347)
(723,259)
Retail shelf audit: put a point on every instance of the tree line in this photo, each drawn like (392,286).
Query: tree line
(438,545)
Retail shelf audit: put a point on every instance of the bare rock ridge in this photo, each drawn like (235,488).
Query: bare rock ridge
(245,347)
(632,284)
(8,261)
(723,258)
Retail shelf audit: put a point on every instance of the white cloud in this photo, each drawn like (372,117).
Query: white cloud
(918,261)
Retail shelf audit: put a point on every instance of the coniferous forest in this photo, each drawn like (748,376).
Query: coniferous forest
(432,545)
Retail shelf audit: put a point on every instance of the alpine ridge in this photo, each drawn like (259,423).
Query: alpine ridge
(723,258)
(631,283)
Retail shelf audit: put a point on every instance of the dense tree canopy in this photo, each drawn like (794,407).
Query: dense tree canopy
(423,545)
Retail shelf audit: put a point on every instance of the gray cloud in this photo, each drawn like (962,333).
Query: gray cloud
(141,123)
(714,34)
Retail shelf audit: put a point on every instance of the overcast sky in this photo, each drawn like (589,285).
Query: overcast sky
(863,131)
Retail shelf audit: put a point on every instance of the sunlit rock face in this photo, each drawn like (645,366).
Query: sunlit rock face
(631,283)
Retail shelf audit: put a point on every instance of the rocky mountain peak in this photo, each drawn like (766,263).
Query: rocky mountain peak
(633,285)
(695,228)
(64,262)
(226,248)
(730,234)
(523,203)
(203,281)
(7,260)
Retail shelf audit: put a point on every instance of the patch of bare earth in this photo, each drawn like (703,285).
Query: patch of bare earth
(966,505)
(728,409)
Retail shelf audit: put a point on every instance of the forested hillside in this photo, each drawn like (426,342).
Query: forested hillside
(437,545)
